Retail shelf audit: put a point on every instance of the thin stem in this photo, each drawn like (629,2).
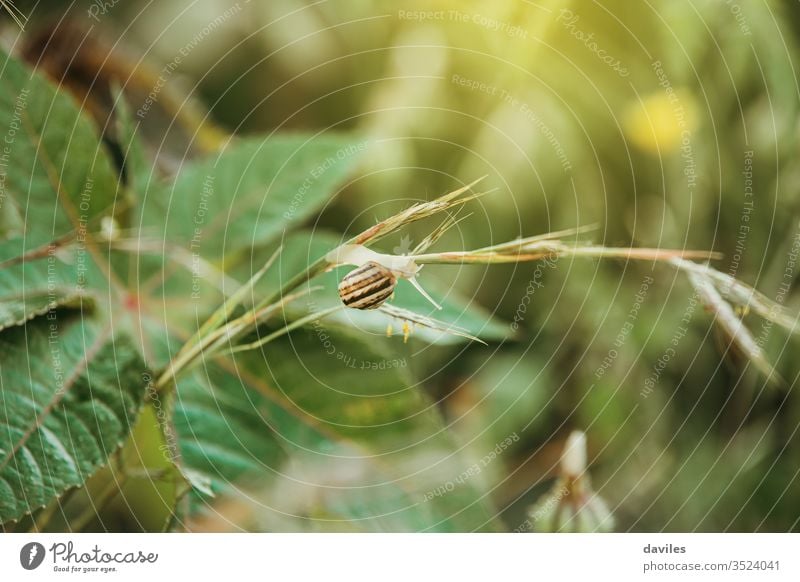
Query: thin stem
(41,252)
(317,267)
(533,252)
(210,343)
(284,330)
(230,304)
(643,254)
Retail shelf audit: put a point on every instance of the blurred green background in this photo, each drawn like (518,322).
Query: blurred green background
(670,123)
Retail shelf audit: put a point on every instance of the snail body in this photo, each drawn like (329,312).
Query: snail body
(368,286)
(373,282)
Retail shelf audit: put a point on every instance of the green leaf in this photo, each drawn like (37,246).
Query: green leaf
(146,484)
(152,482)
(17,310)
(333,395)
(67,277)
(56,172)
(250,192)
(224,430)
(56,176)
(70,394)
(138,490)
(241,419)
(238,421)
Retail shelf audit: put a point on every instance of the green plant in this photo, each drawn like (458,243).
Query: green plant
(169,341)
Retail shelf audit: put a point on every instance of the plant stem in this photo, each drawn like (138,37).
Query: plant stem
(210,343)
(535,252)
(286,329)
(229,304)
(312,271)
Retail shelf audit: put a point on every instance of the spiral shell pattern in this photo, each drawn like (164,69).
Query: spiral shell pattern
(367,287)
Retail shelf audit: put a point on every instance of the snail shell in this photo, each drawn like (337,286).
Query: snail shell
(367,287)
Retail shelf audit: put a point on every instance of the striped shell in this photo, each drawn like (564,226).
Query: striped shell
(367,287)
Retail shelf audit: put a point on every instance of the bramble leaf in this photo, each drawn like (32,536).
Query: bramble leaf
(328,397)
(70,394)
(249,193)
(58,177)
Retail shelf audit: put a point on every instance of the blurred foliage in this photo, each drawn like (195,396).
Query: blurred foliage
(695,146)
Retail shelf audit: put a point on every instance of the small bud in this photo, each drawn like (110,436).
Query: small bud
(567,510)
(109,228)
(573,459)
(571,505)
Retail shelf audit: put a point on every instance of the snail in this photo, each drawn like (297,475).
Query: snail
(375,277)
(368,286)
